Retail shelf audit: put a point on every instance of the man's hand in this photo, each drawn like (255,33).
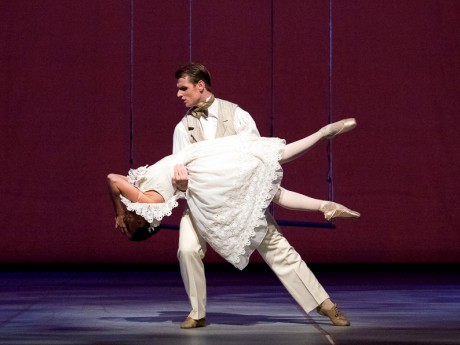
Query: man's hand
(180,177)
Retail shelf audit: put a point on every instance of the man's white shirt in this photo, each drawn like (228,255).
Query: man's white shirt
(244,125)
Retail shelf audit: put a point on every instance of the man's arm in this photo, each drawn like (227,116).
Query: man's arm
(180,138)
(180,177)
(245,124)
(180,141)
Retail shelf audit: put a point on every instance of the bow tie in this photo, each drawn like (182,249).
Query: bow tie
(202,110)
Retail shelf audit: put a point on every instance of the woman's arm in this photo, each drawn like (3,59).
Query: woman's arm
(245,124)
(119,185)
(120,209)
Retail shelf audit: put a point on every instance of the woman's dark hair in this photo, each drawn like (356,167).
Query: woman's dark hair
(138,228)
(143,232)
(195,72)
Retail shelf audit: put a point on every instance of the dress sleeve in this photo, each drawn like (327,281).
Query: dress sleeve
(153,213)
(245,124)
(156,177)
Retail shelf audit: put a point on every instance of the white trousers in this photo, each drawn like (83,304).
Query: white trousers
(282,258)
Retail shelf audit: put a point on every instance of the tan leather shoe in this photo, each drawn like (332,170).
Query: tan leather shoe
(192,323)
(336,316)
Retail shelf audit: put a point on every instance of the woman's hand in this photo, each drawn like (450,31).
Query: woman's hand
(180,177)
(120,224)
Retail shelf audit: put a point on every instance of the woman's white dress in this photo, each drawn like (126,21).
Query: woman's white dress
(232,180)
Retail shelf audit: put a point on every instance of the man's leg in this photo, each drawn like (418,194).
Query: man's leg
(293,272)
(192,249)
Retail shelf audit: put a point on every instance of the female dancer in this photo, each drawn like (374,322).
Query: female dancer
(231,182)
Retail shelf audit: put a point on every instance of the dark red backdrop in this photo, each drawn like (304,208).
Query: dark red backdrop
(76,76)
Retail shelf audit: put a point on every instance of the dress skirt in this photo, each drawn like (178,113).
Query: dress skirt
(232,181)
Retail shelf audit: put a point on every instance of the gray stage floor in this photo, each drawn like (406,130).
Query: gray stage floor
(249,307)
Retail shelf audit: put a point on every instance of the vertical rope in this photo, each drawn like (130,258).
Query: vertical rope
(131,86)
(272,53)
(190,32)
(329,145)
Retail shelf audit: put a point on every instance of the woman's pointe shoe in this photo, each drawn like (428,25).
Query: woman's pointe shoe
(334,210)
(339,127)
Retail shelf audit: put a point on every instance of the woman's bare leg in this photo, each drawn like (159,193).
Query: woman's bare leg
(297,148)
(296,201)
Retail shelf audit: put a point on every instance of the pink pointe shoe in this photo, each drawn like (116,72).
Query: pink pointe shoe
(334,210)
(339,127)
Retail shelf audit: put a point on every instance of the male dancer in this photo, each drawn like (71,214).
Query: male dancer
(209,117)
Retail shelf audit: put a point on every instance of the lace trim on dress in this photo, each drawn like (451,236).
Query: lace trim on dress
(153,213)
(241,225)
(137,176)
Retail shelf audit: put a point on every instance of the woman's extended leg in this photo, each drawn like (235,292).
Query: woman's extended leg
(299,147)
(295,201)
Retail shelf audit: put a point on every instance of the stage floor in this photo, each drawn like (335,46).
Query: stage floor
(247,308)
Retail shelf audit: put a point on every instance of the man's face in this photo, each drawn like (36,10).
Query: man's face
(190,94)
